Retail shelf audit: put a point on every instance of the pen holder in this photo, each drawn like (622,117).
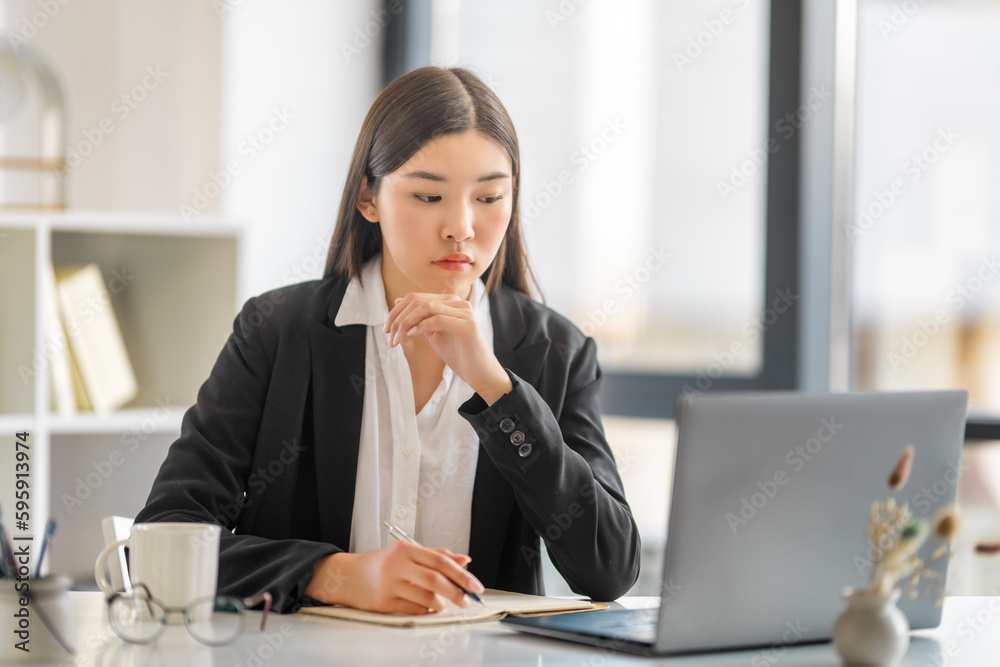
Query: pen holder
(32,612)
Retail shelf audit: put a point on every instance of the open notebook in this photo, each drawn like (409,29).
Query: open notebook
(498,605)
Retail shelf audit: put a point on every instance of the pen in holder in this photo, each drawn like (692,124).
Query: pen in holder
(37,619)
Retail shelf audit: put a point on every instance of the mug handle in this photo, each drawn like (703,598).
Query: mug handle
(100,569)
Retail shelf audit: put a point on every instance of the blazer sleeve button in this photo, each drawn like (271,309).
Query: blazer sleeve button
(517,438)
(506,424)
(524,450)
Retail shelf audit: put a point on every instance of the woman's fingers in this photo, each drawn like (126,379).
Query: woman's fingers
(446,567)
(412,310)
(461,559)
(432,321)
(430,325)
(435,575)
(414,596)
(400,578)
(408,578)
(436,588)
(449,324)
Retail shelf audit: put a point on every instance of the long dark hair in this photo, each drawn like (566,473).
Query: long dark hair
(415,108)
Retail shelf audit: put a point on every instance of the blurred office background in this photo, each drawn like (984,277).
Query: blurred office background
(726,194)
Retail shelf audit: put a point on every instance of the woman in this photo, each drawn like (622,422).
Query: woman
(416,383)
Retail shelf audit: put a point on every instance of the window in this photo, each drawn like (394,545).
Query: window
(647,133)
(925,230)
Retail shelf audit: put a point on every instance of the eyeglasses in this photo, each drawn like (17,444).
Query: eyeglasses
(139,618)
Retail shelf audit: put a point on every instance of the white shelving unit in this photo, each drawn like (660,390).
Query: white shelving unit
(175,298)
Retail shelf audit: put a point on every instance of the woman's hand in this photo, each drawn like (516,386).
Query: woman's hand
(400,578)
(450,326)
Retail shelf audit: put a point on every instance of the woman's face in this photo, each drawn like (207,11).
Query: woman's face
(443,215)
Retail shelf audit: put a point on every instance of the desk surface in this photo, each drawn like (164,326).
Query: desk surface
(969,635)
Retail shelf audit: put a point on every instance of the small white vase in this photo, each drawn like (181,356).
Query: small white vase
(872,630)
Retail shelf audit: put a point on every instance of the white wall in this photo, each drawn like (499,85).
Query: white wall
(164,136)
(217,77)
(225,66)
(289,57)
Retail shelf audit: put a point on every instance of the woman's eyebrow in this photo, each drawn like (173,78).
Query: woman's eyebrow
(430,176)
(494,176)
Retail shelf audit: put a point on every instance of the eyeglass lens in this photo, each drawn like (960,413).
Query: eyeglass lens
(136,618)
(217,621)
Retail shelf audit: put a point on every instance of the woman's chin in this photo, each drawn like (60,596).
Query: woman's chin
(459,286)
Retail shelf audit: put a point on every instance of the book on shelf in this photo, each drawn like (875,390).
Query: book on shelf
(57,349)
(102,375)
(497,605)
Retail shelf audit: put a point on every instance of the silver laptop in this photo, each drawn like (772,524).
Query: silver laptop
(770,503)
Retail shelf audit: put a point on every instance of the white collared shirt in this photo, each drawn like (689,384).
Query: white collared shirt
(414,470)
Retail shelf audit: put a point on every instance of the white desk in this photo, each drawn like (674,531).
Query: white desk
(304,641)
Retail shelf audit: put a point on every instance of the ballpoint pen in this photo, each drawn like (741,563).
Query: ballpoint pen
(3,559)
(50,526)
(400,534)
(9,564)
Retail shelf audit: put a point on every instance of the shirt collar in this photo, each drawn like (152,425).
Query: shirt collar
(366,304)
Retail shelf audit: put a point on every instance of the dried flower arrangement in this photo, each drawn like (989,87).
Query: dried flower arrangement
(897,535)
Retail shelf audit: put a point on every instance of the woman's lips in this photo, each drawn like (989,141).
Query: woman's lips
(452,265)
(455,261)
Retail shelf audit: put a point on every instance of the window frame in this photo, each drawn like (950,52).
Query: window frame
(653,395)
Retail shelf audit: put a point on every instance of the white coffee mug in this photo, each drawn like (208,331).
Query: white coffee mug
(28,619)
(177,562)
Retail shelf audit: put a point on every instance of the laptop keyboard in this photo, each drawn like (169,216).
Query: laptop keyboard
(638,625)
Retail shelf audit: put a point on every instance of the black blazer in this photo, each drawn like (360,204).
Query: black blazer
(270,451)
